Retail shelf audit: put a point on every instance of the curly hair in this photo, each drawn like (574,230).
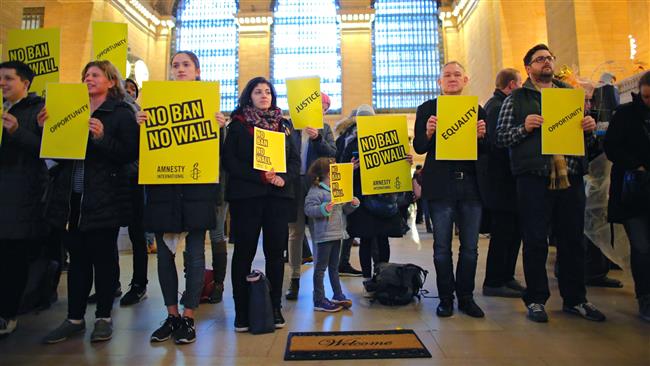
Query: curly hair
(320,169)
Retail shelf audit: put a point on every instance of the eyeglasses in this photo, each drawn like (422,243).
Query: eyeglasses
(542,59)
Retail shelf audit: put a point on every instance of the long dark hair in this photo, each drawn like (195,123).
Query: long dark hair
(192,56)
(245,97)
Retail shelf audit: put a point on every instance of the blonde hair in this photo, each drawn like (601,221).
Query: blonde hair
(111,73)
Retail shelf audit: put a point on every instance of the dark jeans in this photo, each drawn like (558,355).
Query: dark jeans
(92,252)
(467,216)
(327,258)
(248,217)
(346,248)
(427,216)
(505,240)
(564,211)
(13,275)
(638,231)
(596,263)
(373,249)
(419,210)
(138,238)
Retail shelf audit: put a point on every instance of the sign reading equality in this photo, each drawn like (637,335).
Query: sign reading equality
(179,142)
(40,50)
(456,135)
(305,103)
(383,144)
(66,130)
(110,42)
(269,151)
(341,188)
(563,111)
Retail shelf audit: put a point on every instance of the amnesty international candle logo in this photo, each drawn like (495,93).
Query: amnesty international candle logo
(179,142)
(269,151)
(40,50)
(383,146)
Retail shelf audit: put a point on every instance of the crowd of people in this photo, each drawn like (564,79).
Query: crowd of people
(527,197)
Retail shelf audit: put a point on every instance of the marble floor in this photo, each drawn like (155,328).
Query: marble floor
(503,337)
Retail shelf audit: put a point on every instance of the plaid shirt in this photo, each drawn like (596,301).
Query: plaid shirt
(511,132)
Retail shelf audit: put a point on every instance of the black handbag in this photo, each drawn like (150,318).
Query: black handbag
(260,308)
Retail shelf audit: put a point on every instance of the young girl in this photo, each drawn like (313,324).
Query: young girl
(328,229)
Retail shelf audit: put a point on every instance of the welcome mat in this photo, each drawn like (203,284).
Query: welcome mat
(402,343)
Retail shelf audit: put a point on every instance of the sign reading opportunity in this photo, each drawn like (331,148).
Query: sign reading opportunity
(179,142)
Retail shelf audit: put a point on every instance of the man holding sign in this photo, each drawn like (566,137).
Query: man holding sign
(23,178)
(549,189)
(312,144)
(451,188)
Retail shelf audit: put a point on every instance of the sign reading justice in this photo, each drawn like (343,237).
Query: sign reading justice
(305,103)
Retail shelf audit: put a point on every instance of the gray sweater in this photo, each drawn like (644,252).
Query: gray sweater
(326,226)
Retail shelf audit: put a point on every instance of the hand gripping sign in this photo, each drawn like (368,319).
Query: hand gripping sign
(563,111)
(383,145)
(179,143)
(456,130)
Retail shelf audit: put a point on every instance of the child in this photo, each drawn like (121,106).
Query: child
(328,228)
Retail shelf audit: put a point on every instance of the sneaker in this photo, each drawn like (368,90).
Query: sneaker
(103,331)
(294,287)
(604,282)
(349,271)
(644,307)
(241,325)
(278,319)
(327,306)
(166,329)
(185,333)
(537,313)
(502,291)
(135,294)
(342,300)
(306,260)
(92,299)
(515,285)
(586,310)
(217,294)
(7,326)
(63,331)
(469,307)
(445,308)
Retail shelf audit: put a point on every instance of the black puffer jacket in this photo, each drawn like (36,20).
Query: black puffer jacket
(23,175)
(175,208)
(101,205)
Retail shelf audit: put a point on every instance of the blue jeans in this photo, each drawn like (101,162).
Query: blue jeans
(467,216)
(326,258)
(194,257)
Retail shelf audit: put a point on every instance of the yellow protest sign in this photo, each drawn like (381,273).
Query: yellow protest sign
(563,111)
(179,143)
(341,182)
(110,42)
(38,48)
(305,103)
(456,137)
(383,145)
(1,112)
(269,151)
(65,133)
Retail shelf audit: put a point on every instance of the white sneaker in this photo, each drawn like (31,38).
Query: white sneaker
(7,326)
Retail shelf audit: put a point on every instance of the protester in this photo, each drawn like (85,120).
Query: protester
(23,180)
(84,198)
(452,191)
(328,222)
(172,210)
(258,200)
(312,144)
(627,145)
(550,189)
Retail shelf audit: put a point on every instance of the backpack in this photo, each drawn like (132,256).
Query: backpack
(396,284)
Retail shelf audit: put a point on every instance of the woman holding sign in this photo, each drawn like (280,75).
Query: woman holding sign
(258,199)
(84,198)
(175,209)
(451,188)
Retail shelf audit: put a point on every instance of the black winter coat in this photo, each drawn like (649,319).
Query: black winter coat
(102,201)
(23,175)
(501,190)
(436,182)
(243,180)
(627,145)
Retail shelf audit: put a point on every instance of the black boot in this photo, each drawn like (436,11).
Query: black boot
(292,292)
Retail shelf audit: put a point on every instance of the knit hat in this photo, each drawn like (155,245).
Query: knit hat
(131,81)
(325,99)
(365,110)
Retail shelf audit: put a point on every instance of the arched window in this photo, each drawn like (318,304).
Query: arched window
(306,42)
(207,28)
(406,57)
